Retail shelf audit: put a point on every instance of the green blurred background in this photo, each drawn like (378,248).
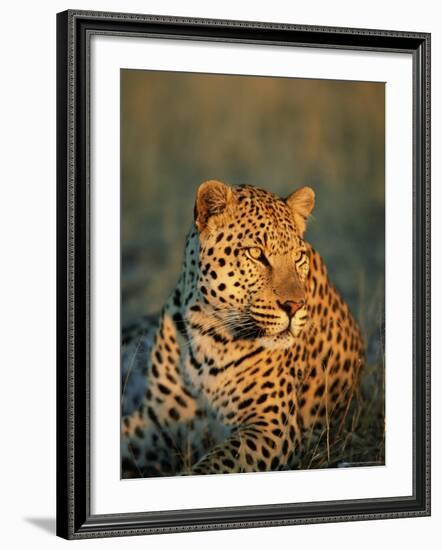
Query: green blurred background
(179,129)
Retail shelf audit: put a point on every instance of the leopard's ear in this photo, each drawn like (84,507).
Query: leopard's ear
(212,198)
(301,202)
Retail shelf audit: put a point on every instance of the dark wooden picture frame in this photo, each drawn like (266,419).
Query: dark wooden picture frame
(74,518)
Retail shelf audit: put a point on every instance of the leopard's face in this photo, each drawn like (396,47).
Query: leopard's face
(253,262)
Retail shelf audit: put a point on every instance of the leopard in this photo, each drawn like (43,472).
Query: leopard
(254,349)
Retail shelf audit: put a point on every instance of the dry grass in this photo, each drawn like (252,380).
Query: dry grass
(360,440)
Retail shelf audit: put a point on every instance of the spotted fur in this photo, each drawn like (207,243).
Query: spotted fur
(253,349)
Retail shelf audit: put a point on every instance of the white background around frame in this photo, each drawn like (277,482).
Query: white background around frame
(109,493)
(27,223)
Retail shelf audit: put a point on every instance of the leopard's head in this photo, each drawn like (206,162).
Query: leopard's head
(252,260)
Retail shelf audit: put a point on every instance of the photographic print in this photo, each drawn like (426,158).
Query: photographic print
(252,273)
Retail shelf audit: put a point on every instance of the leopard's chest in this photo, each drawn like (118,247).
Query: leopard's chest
(211,365)
(223,376)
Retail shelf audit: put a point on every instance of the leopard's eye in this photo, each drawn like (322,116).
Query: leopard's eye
(254,252)
(299,255)
(301,263)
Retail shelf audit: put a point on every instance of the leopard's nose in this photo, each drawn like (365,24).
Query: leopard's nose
(291,307)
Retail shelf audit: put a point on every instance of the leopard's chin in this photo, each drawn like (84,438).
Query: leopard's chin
(283,340)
